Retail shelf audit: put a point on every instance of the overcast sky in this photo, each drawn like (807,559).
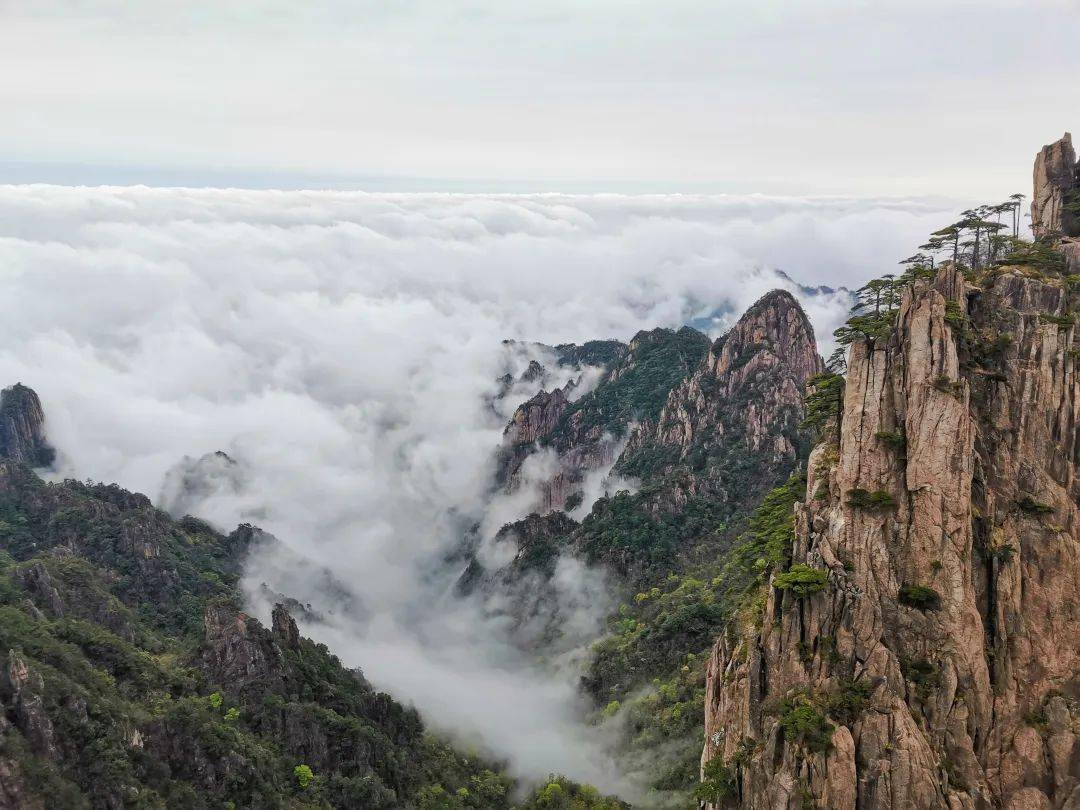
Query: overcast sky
(823,96)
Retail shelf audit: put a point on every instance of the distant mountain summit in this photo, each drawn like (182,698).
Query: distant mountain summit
(710,321)
(22,428)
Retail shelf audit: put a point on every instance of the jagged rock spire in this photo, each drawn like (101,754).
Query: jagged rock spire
(22,427)
(1056,184)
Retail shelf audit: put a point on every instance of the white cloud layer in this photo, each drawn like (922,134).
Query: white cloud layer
(343,347)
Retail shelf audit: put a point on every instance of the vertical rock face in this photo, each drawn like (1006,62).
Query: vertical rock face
(1057,191)
(938,665)
(22,427)
(534,421)
(537,418)
(239,652)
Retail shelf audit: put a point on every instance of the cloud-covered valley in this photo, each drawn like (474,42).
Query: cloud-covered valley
(343,347)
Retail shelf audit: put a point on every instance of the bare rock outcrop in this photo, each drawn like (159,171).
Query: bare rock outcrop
(1057,190)
(932,665)
(240,652)
(284,628)
(537,418)
(26,689)
(22,428)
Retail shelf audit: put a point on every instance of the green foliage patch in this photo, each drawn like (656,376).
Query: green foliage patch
(868,501)
(893,439)
(824,401)
(802,580)
(920,597)
(114,628)
(805,724)
(924,674)
(1034,507)
(718,783)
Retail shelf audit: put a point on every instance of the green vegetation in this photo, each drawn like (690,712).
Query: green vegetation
(590,353)
(1061,321)
(824,402)
(115,630)
(802,580)
(983,247)
(956,317)
(848,701)
(999,345)
(1041,256)
(925,675)
(921,597)
(1034,507)
(804,714)
(561,794)
(868,501)
(652,666)
(1037,718)
(949,386)
(718,782)
(303,776)
(483,790)
(894,439)
(805,724)
(1072,202)
(772,525)
(622,531)
(659,362)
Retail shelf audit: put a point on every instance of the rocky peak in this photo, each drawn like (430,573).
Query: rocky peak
(285,629)
(22,427)
(774,331)
(537,417)
(534,373)
(239,652)
(748,389)
(587,432)
(1056,190)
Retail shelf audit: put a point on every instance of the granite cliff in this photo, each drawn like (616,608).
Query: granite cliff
(22,427)
(917,651)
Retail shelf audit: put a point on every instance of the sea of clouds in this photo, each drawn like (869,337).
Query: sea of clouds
(342,348)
